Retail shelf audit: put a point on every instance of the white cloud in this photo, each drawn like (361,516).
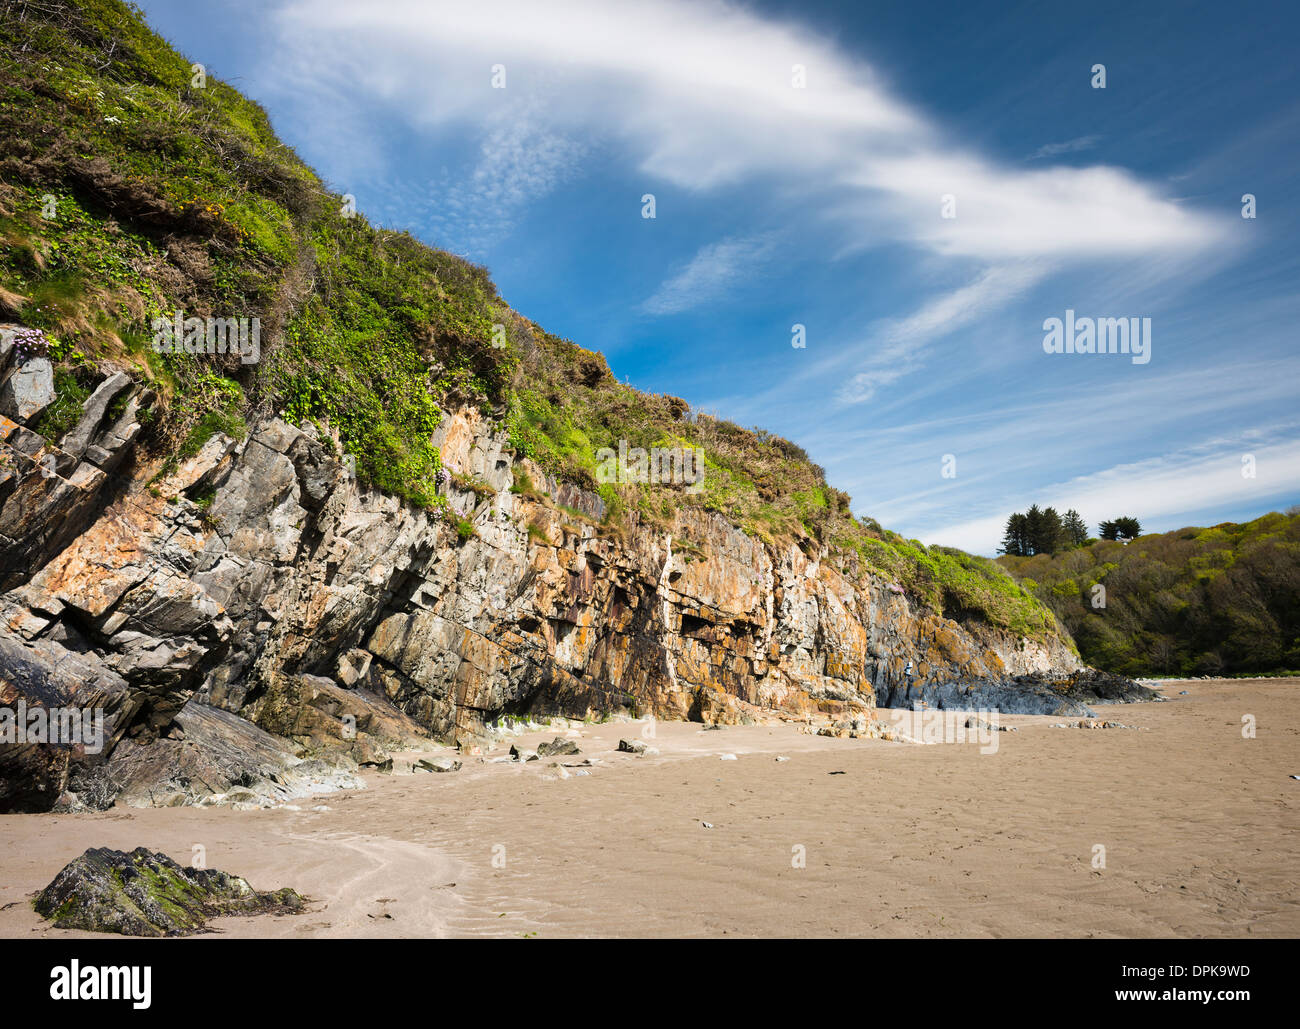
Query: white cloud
(699,94)
(1053,212)
(714,270)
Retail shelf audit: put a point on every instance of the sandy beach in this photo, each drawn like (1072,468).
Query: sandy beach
(1198,824)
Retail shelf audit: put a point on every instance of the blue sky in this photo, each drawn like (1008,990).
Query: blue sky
(821,205)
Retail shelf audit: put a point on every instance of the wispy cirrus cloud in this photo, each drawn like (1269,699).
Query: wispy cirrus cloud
(1028,448)
(711,273)
(518,162)
(899,347)
(702,94)
(1069,146)
(514,162)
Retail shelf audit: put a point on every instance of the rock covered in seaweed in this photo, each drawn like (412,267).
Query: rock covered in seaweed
(145,893)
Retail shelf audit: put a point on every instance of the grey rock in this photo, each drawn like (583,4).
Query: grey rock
(218,752)
(95,408)
(437,764)
(28,390)
(335,617)
(558,746)
(987,726)
(1037,693)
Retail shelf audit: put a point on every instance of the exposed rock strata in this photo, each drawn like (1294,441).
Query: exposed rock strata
(259,578)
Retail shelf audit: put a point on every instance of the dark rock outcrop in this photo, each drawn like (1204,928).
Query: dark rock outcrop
(148,894)
(208,757)
(55,673)
(1035,693)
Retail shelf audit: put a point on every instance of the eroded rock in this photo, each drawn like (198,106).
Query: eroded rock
(144,893)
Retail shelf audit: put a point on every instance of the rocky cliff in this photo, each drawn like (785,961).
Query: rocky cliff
(259,580)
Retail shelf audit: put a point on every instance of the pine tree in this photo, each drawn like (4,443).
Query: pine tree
(1051,536)
(1043,530)
(1033,528)
(1076,530)
(1015,540)
(1126,528)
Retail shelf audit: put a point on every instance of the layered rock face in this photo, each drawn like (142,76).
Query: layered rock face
(260,578)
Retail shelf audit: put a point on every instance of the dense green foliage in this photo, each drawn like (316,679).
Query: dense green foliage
(1194,602)
(132,187)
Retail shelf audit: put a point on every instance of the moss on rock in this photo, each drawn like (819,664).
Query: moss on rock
(145,893)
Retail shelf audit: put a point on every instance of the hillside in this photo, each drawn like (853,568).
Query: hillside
(169,197)
(1218,601)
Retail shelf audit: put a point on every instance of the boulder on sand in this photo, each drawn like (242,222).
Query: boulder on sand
(558,746)
(144,893)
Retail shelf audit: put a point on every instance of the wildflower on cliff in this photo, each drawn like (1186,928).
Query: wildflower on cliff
(29,343)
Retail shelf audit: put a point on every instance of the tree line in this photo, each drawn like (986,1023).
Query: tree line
(1045,531)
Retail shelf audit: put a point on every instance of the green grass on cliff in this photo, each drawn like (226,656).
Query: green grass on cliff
(170,196)
(1222,600)
(166,196)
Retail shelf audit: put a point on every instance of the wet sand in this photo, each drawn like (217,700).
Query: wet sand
(1199,827)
